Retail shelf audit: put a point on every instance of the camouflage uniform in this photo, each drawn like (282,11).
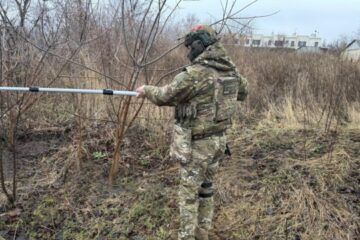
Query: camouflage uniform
(204,95)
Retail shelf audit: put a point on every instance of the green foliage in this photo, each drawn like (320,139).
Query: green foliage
(45,217)
(137,211)
(318,148)
(45,212)
(144,162)
(98,155)
(150,223)
(72,230)
(161,234)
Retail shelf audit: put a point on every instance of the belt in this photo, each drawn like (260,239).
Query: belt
(205,135)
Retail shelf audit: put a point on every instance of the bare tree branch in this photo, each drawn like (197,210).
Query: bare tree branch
(125,35)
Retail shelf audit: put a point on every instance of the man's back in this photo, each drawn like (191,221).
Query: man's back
(215,86)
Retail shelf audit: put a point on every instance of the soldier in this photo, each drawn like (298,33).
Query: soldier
(204,96)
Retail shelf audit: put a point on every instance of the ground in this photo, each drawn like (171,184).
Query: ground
(279,183)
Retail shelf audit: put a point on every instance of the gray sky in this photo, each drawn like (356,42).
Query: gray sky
(331,18)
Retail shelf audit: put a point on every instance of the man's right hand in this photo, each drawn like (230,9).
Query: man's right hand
(140,91)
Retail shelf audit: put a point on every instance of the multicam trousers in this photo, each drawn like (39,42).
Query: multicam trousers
(199,162)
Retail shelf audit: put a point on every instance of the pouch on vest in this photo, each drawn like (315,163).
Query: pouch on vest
(226,90)
(185,113)
(180,149)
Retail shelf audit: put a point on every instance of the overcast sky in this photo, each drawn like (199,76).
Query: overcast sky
(331,18)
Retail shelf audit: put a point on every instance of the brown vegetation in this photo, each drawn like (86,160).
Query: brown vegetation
(294,173)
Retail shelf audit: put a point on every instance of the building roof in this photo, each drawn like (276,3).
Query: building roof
(355,41)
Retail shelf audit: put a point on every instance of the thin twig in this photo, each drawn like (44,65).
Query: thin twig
(125,35)
(153,32)
(171,72)
(142,24)
(162,55)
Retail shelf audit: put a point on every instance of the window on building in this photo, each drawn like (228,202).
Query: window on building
(279,43)
(287,42)
(301,44)
(256,42)
(247,42)
(269,42)
(316,44)
(292,43)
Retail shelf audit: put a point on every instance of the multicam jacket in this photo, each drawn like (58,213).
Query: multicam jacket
(205,93)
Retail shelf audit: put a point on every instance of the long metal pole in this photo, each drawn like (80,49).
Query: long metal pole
(68,90)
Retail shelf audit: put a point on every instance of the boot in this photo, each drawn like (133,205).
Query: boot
(201,234)
(213,236)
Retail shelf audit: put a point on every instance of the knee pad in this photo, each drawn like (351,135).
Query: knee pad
(206,190)
(206,185)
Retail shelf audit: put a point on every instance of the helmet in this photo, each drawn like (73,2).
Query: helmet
(204,33)
(199,38)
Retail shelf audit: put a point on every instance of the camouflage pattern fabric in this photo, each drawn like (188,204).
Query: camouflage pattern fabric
(180,149)
(203,113)
(196,201)
(196,86)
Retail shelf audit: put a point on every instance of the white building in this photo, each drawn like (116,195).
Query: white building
(352,51)
(282,41)
(310,49)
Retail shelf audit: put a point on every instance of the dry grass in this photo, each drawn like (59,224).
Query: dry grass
(281,183)
(311,88)
(291,184)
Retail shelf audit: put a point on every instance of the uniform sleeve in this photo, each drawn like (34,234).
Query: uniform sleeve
(243,89)
(173,93)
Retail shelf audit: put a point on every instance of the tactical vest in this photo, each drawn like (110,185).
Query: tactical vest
(211,106)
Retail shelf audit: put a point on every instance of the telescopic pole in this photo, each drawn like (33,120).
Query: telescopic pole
(68,90)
